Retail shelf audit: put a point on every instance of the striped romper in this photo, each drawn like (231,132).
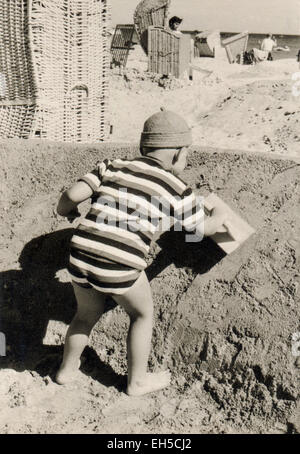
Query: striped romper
(133,203)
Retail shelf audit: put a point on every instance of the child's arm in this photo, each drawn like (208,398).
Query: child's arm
(81,191)
(191,215)
(67,205)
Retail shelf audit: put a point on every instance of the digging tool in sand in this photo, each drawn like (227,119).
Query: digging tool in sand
(231,235)
(234,232)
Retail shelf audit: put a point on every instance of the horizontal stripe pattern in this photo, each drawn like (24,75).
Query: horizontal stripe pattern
(94,178)
(131,202)
(107,277)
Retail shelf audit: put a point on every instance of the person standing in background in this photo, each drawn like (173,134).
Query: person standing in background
(268,45)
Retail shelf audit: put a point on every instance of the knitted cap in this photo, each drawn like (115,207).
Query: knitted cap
(166,129)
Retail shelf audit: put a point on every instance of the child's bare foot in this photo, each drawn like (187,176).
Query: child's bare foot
(67,375)
(151,382)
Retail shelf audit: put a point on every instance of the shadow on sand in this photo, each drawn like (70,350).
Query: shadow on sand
(33,296)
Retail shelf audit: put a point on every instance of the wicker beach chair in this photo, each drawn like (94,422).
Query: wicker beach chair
(168,54)
(206,43)
(121,44)
(150,13)
(54,64)
(236,46)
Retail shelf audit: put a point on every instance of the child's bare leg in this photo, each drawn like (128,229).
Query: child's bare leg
(90,307)
(138,304)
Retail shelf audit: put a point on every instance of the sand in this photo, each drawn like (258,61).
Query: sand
(223,324)
(228,106)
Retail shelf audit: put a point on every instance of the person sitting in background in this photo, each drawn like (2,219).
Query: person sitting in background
(174,24)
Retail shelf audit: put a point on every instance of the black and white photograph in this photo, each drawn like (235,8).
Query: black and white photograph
(150,219)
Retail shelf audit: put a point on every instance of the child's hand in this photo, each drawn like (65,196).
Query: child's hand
(215,222)
(220,216)
(73,215)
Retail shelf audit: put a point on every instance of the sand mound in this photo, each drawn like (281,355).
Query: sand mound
(228,106)
(224,324)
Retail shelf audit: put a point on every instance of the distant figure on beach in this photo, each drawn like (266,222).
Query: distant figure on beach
(132,203)
(283,49)
(268,45)
(174,24)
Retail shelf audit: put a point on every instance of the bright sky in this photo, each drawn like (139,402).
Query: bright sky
(256,16)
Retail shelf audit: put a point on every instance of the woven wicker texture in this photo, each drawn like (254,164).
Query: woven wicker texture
(150,13)
(54,66)
(168,54)
(121,44)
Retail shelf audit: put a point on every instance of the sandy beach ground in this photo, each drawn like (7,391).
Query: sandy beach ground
(224,325)
(228,106)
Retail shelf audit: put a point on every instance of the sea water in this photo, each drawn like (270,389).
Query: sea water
(292,41)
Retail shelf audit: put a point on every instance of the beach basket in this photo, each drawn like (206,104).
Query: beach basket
(168,54)
(54,67)
(121,44)
(236,46)
(150,13)
(206,43)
